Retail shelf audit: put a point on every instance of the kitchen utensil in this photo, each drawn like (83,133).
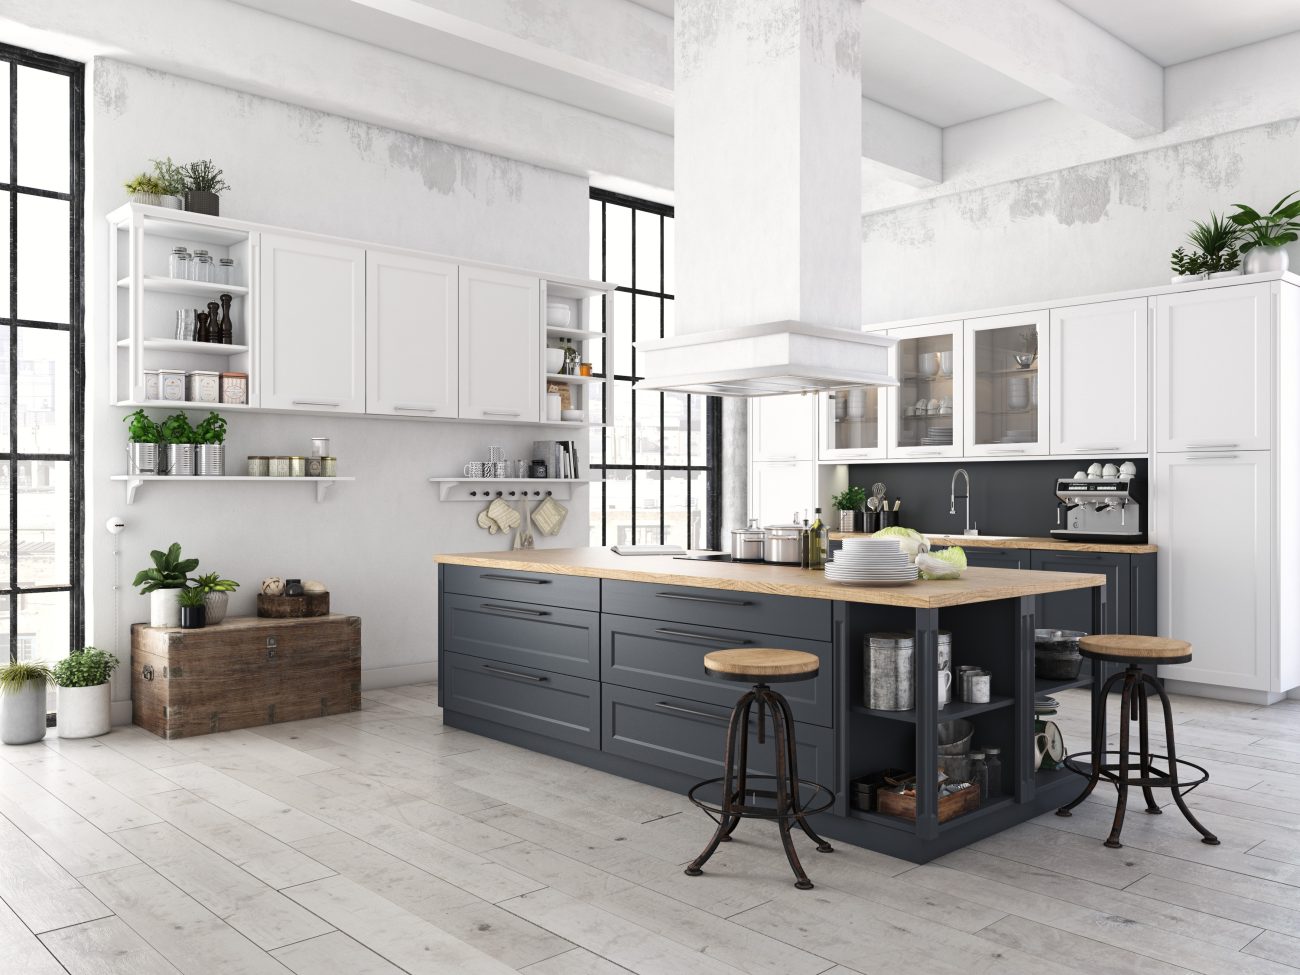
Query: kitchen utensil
(1127,469)
(1056,654)
(888,672)
(525,536)
(747,543)
(572,416)
(558,314)
(927,364)
(945,688)
(878,492)
(549,516)
(954,736)
(980,688)
(1025,359)
(873,503)
(496,453)
(475,469)
(485,521)
(781,544)
(945,363)
(554,361)
(1110,470)
(500,468)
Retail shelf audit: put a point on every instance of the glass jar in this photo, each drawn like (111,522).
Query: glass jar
(201,268)
(979,774)
(225,270)
(993,770)
(178,263)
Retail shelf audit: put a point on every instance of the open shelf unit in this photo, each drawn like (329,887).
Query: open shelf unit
(135,481)
(584,302)
(506,488)
(176,286)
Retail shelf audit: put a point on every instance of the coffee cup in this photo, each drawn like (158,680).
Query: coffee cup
(476,469)
(945,688)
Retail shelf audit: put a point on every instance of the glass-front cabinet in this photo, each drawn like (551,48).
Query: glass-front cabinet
(852,423)
(1006,395)
(926,407)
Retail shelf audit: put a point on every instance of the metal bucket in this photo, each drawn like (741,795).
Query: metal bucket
(180,459)
(142,458)
(210,460)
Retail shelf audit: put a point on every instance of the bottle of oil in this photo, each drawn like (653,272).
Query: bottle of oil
(818,541)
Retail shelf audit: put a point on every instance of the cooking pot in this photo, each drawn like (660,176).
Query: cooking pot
(1056,654)
(782,544)
(747,543)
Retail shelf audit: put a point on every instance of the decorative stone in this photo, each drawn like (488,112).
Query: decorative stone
(273,586)
(313,585)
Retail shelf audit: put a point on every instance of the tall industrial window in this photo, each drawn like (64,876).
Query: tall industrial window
(42,182)
(659,453)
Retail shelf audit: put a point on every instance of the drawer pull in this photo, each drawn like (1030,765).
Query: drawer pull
(514,609)
(1212,457)
(706,637)
(317,402)
(720,718)
(513,673)
(705,599)
(501,578)
(501,413)
(1210,446)
(415,408)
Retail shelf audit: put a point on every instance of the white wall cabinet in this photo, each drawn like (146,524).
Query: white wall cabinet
(778,489)
(1006,385)
(851,424)
(925,411)
(782,427)
(1214,369)
(1216,589)
(1098,382)
(313,324)
(500,346)
(412,366)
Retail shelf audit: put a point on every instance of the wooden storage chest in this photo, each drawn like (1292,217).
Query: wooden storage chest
(243,672)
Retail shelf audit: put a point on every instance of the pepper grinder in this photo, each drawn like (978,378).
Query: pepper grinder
(227,333)
(201,326)
(214,323)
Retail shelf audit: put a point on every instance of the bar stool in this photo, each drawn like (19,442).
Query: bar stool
(740,800)
(1135,651)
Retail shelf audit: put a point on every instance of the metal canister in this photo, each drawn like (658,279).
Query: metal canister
(887,672)
(277,466)
(329,467)
(171,384)
(259,466)
(151,390)
(297,466)
(234,388)
(314,466)
(203,386)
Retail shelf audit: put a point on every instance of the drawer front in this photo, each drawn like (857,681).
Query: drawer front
(748,612)
(668,658)
(573,592)
(686,736)
(554,705)
(997,558)
(559,641)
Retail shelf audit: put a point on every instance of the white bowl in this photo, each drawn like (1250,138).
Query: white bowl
(558,315)
(554,361)
(573,416)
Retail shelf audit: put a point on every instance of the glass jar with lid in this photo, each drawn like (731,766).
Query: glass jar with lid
(979,774)
(993,770)
(225,270)
(178,263)
(201,268)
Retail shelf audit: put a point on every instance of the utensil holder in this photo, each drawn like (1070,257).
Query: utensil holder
(886,519)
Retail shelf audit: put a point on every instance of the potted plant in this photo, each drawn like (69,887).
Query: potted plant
(171,182)
(210,440)
(1186,267)
(216,595)
(203,184)
(142,451)
(193,609)
(1267,234)
(850,503)
(22,702)
(162,583)
(180,437)
(1217,240)
(84,707)
(145,188)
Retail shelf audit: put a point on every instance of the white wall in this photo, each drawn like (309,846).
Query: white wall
(373,541)
(1103,226)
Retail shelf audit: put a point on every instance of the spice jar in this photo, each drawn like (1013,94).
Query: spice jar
(979,775)
(225,270)
(993,771)
(178,263)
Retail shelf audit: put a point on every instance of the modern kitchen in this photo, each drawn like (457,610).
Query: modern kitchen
(427,555)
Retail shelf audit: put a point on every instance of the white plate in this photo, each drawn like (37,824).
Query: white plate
(870,576)
(873,583)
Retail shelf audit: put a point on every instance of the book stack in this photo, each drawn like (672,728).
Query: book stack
(560,457)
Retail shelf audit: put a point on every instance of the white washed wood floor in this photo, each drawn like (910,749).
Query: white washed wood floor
(379,842)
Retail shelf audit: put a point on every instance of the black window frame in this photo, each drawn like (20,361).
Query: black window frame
(10,590)
(712,466)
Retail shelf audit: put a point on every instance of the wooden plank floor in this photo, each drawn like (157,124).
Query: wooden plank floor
(382,842)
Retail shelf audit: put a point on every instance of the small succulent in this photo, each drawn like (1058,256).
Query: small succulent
(191,597)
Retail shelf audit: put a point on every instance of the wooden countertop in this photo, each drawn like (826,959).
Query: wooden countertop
(976,585)
(1025,541)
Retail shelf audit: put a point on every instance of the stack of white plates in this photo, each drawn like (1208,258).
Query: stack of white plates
(871,562)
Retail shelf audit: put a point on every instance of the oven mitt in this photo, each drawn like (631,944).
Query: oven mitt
(485,522)
(549,516)
(505,516)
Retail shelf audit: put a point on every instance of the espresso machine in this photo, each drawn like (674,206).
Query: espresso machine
(1099,508)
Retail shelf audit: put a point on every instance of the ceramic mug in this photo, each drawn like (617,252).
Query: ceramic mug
(476,469)
(1040,750)
(945,688)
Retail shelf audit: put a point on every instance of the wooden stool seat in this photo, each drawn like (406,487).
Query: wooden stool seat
(1128,649)
(762,666)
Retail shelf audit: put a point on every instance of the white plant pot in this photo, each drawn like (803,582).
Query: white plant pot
(22,714)
(1215,275)
(165,607)
(217,603)
(1261,259)
(171,202)
(84,712)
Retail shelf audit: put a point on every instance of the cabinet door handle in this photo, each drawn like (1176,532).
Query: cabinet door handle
(511,673)
(501,413)
(416,409)
(1212,457)
(1210,446)
(316,402)
(515,609)
(705,599)
(721,719)
(501,578)
(926,453)
(1014,450)
(1107,448)
(707,638)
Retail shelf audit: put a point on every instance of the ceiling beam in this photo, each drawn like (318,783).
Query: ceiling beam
(1050,48)
(900,147)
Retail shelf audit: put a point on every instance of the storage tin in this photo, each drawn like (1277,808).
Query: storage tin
(151,390)
(277,466)
(171,384)
(314,466)
(297,466)
(203,386)
(234,388)
(329,467)
(888,672)
(259,466)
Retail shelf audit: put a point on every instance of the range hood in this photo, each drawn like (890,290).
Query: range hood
(767,161)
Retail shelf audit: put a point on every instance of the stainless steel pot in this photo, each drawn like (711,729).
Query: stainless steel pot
(782,544)
(747,543)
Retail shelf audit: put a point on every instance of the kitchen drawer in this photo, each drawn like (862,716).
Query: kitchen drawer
(668,658)
(1072,609)
(749,612)
(689,737)
(573,592)
(559,641)
(554,705)
(997,558)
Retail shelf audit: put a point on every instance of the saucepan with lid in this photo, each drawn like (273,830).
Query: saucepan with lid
(782,544)
(747,543)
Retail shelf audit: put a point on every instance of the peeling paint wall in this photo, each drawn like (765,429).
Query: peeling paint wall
(1100,227)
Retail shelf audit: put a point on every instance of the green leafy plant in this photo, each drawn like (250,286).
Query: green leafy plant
(1184,263)
(13,677)
(1273,229)
(142,428)
(169,571)
(145,183)
(211,430)
(86,667)
(204,177)
(850,499)
(212,582)
(169,176)
(176,429)
(191,597)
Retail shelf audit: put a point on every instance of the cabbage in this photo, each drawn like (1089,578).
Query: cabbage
(910,541)
(944,563)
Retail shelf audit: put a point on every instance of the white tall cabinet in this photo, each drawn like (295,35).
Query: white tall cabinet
(1098,385)
(500,374)
(412,366)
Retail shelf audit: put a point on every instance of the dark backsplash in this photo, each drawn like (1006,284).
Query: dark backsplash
(1007,497)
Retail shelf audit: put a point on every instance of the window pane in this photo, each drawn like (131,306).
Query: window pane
(618,507)
(620,334)
(618,448)
(647,251)
(43,103)
(44,498)
(648,434)
(647,508)
(618,244)
(4,388)
(594,239)
(4,123)
(684,523)
(699,430)
(670,257)
(5,582)
(43,627)
(4,253)
(648,322)
(43,394)
(675,430)
(670,325)
(43,259)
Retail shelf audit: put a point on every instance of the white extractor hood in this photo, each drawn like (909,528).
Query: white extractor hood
(767,152)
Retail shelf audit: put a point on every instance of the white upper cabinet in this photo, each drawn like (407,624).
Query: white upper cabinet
(1098,382)
(851,423)
(412,368)
(1214,369)
(313,324)
(780,489)
(1006,380)
(925,410)
(500,346)
(782,427)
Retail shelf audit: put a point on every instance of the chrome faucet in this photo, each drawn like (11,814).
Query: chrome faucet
(952,499)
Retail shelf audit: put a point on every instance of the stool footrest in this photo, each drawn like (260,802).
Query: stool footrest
(819,800)
(1110,771)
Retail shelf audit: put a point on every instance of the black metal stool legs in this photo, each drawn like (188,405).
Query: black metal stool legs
(1098,744)
(822,845)
(1174,787)
(1144,749)
(727,822)
(1121,783)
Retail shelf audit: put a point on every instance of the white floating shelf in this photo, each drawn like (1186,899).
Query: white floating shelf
(577,334)
(179,286)
(133,481)
(555,377)
(506,488)
(184,347)
(182,404)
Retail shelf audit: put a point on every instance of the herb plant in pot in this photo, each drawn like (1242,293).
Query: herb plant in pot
(1267,234)
(850,503)
(84,707)
(193,610)
(216,595)
(163,583)
(145,188)
(143,449)
(203,184)
(171,182)
(210,449)
(181,438)
(22,702)
(1217,240)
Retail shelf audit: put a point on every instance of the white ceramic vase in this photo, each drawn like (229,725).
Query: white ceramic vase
(22,714)
(165,607)
(1261,259)
(216,604)
(84,712)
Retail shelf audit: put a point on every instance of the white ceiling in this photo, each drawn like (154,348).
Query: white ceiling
(1173,31)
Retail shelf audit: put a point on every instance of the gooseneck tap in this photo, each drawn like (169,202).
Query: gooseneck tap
(952,499)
